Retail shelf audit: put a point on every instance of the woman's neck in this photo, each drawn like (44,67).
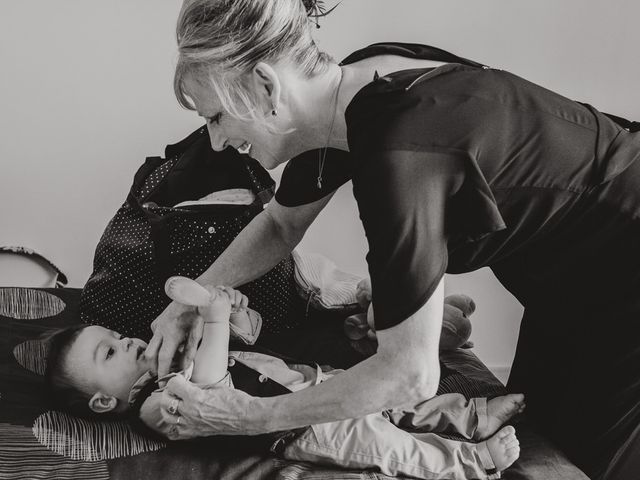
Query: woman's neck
(322,100)
(320,117)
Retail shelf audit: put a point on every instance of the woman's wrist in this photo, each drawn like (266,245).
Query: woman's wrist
(259,415)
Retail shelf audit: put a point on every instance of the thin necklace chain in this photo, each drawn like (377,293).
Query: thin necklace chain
(322,154)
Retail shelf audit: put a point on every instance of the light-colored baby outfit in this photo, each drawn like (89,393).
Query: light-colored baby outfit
(393,441)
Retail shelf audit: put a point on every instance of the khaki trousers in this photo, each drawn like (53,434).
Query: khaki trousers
(404,442)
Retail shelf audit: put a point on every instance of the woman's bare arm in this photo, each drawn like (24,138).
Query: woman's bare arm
(404,371)
(270,237)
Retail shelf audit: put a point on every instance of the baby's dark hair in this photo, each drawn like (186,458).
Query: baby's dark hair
(66,394)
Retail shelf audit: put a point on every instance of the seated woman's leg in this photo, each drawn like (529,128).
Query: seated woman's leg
(581,379)
(626,462)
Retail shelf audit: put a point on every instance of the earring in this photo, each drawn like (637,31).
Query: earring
(274,112)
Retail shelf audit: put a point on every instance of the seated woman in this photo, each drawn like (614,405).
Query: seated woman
(95,371)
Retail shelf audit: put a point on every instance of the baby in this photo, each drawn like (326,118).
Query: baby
(93,371)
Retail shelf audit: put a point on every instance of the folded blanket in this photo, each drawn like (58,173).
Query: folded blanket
(232,196)
(322,284)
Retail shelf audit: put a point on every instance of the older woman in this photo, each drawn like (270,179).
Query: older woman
(454,166)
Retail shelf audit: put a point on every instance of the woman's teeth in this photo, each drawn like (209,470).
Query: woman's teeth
(245,148)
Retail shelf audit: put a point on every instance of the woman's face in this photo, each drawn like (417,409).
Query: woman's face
(268,148)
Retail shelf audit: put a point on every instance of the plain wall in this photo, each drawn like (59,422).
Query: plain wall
(86,94)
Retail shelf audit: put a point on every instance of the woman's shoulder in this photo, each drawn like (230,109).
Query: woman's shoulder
(409,90)
(432,106)
(402,106)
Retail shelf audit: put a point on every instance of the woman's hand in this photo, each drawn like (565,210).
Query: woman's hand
(206,412)
(177,326)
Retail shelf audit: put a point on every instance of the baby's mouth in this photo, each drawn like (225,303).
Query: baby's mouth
(139,352)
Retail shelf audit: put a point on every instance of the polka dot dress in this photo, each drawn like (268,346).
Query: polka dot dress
(142,247)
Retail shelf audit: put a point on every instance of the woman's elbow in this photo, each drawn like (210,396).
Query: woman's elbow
(423,384)
(287,234)
(415,383)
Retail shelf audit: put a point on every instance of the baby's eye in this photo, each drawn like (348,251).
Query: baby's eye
(110,352)
(215,118)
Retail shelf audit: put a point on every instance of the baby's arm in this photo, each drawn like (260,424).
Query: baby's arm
(210,364)
(211,359)
(214,305)
(212,356)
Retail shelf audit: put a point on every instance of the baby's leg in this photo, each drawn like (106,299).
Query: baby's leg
(374,442)
(452,413)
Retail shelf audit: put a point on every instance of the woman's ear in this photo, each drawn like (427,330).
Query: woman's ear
(101,403)
(267,86)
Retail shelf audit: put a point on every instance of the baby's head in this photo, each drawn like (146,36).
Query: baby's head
(90,370)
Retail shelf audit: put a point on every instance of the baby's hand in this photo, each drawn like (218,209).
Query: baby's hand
(226,304)
(218,309)
(239,313)
(237,299)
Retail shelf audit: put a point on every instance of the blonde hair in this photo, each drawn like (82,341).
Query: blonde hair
(220,41)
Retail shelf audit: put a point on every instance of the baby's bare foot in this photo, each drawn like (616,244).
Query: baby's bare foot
(500,410)
(504,448)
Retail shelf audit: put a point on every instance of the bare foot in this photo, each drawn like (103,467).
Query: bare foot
(504,448)
(499,411)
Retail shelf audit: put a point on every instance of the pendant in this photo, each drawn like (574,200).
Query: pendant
(319,183)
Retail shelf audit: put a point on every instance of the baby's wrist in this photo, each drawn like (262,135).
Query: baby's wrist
(217,320)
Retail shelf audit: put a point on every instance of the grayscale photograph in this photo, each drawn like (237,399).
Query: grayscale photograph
(319,240)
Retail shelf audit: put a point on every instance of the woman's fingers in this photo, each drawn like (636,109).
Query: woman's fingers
(191,346)
(151,352)
(165,356)
(209,411)
(176,407)
(178,387)
(162,345)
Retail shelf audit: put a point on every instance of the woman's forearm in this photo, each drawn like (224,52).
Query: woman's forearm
(255,251)
(371,386)
(404,371)
(269,238)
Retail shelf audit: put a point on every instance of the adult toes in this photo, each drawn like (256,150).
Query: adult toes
(508,443)
(513,451)
(506,431)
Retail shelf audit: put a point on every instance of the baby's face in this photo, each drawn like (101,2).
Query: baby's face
(105,361)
